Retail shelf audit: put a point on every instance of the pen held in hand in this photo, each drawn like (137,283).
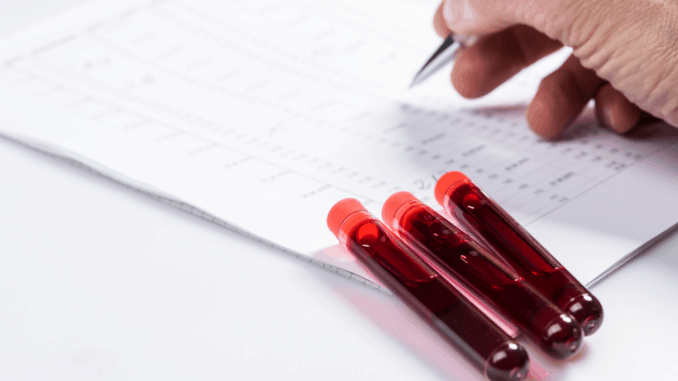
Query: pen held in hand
(446,53)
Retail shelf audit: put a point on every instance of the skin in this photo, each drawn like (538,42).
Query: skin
(625,56)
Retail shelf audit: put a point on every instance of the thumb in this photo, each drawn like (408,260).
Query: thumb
(476,17)
(568,21)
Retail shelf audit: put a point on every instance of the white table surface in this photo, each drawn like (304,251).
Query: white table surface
(98,282)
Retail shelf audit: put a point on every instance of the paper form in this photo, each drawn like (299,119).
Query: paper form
(263,115)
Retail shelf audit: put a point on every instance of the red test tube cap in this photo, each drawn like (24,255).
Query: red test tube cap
(392,204)
(340,211)
(445,183)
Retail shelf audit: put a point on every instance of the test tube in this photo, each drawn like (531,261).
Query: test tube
(482,216)
(421,288)
(450,249)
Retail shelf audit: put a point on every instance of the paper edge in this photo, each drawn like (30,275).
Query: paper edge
(630,256)
(187,207)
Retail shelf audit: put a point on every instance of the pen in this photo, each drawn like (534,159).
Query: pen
(426,292)
(451,47)
(482,216)
(445,245)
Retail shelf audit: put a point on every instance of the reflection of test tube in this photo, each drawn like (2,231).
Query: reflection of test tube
(427,293)
(482,216)
(448,247)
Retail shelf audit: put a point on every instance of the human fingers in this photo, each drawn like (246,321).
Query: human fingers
(630,44)
(494,59)
(615,111)
(561,97)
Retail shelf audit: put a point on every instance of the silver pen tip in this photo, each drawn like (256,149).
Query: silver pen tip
(445,53)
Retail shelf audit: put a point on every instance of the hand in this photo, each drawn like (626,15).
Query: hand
(625,56)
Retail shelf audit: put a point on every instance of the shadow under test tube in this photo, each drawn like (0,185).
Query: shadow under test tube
(427,293)
(481,215)
(451,249)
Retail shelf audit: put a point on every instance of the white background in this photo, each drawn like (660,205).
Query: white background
(98,282)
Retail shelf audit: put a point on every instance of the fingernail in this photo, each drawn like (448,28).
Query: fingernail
(452,11)
(468,11)
(608,116)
